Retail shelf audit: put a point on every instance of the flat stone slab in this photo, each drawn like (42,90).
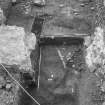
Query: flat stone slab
(61,29)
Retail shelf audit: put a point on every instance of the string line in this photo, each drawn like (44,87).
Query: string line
(20,85)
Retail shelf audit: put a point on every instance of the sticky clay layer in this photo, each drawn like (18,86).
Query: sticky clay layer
(16,46)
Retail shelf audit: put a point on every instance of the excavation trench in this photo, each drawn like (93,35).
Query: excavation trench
(59,64)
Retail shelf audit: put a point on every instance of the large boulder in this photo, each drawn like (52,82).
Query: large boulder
(16,46)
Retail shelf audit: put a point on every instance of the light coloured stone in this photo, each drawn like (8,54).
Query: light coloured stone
(8,86)
(104,2)
(13,1)
(103,103)
(2,17)
(16,46)
(39,1)
(95,53)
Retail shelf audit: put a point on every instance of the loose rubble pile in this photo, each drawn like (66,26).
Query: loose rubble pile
(9,90)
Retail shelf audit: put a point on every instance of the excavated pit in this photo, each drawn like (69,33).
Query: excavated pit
(57,78)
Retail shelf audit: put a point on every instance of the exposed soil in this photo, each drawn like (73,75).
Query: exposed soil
(63,80)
